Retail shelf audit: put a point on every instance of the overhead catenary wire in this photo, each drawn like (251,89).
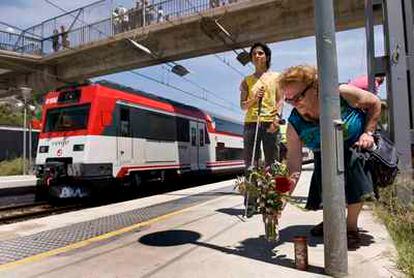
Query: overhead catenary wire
(56,6)
(66,11)
(227,64)
(178,89)
(228,35)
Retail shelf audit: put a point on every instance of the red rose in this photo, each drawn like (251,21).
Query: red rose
(283,184)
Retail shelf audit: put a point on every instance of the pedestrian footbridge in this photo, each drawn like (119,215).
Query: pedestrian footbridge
(93,40)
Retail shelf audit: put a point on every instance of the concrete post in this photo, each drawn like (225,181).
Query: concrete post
(336,256)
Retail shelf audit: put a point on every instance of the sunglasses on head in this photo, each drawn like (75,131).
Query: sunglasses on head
(299,96)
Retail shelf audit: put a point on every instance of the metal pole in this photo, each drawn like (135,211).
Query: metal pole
(369,32)
(25,93)
(397,83)
(143,13)
(24,135)
(30,142)
(336,257)
(111,28)
(409,25)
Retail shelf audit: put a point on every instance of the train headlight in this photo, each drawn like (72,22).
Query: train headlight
(43,149)
(39,170)
(78,147)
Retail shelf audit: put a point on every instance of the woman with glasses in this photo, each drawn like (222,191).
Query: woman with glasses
(360,111)
(260,89)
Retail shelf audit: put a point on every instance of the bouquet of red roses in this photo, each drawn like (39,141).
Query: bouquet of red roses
(269,187)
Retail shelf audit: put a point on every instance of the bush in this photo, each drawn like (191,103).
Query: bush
(396,209)
(11,167)
(9,117)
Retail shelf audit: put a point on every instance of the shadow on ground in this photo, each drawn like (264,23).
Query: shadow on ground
(287,234)
(253,248)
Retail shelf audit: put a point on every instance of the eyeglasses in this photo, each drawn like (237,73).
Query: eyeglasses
(298,97)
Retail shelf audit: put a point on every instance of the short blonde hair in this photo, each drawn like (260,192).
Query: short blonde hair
(299,74)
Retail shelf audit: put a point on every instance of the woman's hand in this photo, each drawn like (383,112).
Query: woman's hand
(259,94)
(294,178)
(274,126)
(365,141)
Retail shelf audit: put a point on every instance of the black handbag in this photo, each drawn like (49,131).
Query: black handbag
(383,161)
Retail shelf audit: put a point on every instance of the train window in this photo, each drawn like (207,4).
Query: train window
(193,136)
(228,126)
(201,131)
(183,127)
(69,96)
(152,125)
(225,154)
(67,118)
(124,124)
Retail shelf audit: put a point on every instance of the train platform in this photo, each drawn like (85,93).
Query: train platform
(8,182)
(195,232)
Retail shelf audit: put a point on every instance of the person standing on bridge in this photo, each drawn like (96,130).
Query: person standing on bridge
(259,91)
(360,111)
(55,40)
(65,37)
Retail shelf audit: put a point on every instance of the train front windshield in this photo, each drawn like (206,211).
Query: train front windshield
(67,118)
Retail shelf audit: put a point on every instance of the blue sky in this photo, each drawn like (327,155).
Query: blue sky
(220,81)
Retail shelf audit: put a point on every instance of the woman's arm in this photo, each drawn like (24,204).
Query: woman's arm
(247,101)
(367,102)
(279,101)
(280,98)
(294,155)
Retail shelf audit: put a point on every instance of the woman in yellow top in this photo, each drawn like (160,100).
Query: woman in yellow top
(261,86)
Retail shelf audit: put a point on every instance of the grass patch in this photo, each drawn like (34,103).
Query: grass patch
(11,167)
(396,209)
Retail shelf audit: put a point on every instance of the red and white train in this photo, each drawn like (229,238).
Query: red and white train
(102,133)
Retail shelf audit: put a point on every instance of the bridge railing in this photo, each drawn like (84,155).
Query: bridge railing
(160,11)
(20,43)
(73,29)
(58,32)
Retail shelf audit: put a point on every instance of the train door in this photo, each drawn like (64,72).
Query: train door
(124,137)
(193,145)
(203,151)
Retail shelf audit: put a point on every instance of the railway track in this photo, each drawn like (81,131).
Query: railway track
(14,213)
(11,211)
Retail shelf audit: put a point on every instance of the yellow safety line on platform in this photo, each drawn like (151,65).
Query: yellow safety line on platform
(98,238)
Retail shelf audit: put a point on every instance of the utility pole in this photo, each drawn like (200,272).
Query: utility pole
(25,94)
(333,191)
